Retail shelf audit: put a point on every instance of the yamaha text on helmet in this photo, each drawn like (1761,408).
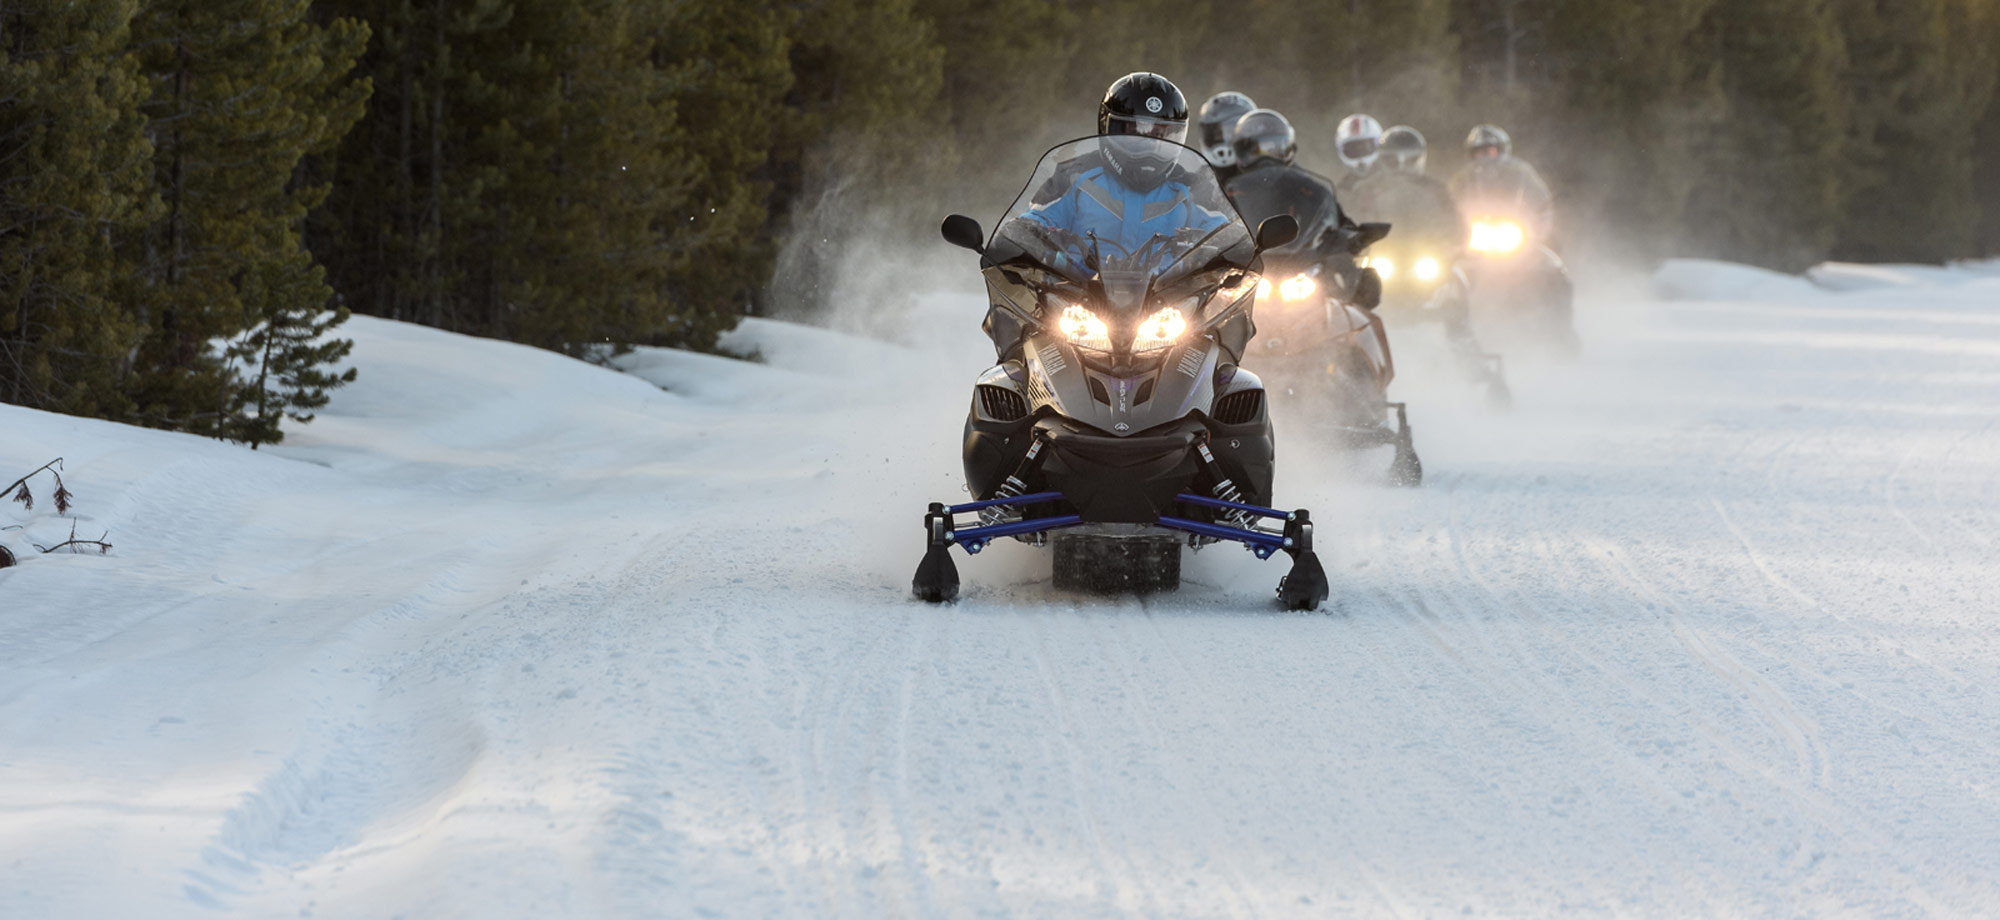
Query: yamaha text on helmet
(1218,126)
(1141,105)
(1264,136)
(1404,149)
(1488,141)
(1359,141)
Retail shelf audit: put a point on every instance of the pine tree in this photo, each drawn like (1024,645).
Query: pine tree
(284,363)
(242,92)
(73,173)
(1768,185)
(860,130)
(561,174)
(728,70)
(1915,82)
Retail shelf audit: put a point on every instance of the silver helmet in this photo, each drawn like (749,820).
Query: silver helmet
(1218,126)
(1404,149)
(1488,140)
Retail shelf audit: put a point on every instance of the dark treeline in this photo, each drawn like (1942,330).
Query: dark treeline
(193,192)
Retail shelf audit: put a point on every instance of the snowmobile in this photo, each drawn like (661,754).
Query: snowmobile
(1118,427)
(1520,289)
(1322,343)
(1423,281)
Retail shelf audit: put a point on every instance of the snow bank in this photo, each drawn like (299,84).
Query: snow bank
(1705,279)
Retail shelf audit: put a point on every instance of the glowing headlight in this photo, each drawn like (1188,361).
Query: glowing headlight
(1160,330)
(1263,289)
(1497,237)
(1428,269)
(1084,329)
(1298,287)
(1383,265)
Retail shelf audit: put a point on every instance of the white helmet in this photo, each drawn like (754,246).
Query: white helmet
(1359,141)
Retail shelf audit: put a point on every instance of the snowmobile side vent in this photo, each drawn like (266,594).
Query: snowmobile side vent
(1038,389)
(1098,392)
(1239,408)
(1145,393)
(1001,404)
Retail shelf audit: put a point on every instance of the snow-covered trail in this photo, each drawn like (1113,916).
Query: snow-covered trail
(1706,627)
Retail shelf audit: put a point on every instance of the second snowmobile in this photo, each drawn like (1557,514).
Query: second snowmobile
(1321,342)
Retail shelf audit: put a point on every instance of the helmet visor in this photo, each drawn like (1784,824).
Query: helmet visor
(1264,147)
(1359,148)
(1162,128)
(1486,152)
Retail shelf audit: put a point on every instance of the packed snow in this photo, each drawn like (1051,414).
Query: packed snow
(1706,626)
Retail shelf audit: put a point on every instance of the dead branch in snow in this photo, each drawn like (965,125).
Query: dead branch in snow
(62,495)
(75,545)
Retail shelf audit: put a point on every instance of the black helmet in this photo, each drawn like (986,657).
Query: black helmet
(1218,126)
(1403,148)
(1141,105)
(1264,135)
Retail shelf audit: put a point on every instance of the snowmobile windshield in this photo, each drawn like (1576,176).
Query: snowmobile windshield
(1079,219)
(1264,193)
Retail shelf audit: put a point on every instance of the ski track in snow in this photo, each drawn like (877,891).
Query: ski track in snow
(1705,627)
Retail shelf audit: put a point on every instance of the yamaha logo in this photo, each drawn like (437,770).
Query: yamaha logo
(1154,105)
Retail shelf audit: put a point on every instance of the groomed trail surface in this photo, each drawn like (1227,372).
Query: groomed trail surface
(1706,627)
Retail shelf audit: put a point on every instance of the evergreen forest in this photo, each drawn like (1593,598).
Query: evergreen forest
(195,194)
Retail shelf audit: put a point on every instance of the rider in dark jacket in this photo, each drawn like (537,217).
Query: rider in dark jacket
(1401,193)
(1268,184)
(1423,212)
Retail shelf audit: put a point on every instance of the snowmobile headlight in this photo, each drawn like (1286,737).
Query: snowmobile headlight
(1383,266)
(1084,329)
(1263,289)
(1427,269)
(1497,237)
(1298,287)
(1161,330)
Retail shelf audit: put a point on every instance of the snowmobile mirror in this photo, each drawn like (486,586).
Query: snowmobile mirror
(964,232)
(1277,231)
(1368,287)
(1367,235)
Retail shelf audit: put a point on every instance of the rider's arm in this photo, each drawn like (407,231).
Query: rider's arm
(1058,213)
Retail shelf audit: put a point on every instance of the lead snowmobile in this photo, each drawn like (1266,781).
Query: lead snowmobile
(1118,427)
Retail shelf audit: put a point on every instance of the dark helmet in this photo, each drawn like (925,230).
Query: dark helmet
(1141,105)
(1218,126)
(1488,140)
(1265,136)
(1404,149)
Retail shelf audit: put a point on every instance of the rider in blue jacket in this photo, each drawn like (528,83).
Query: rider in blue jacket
(1132,191)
